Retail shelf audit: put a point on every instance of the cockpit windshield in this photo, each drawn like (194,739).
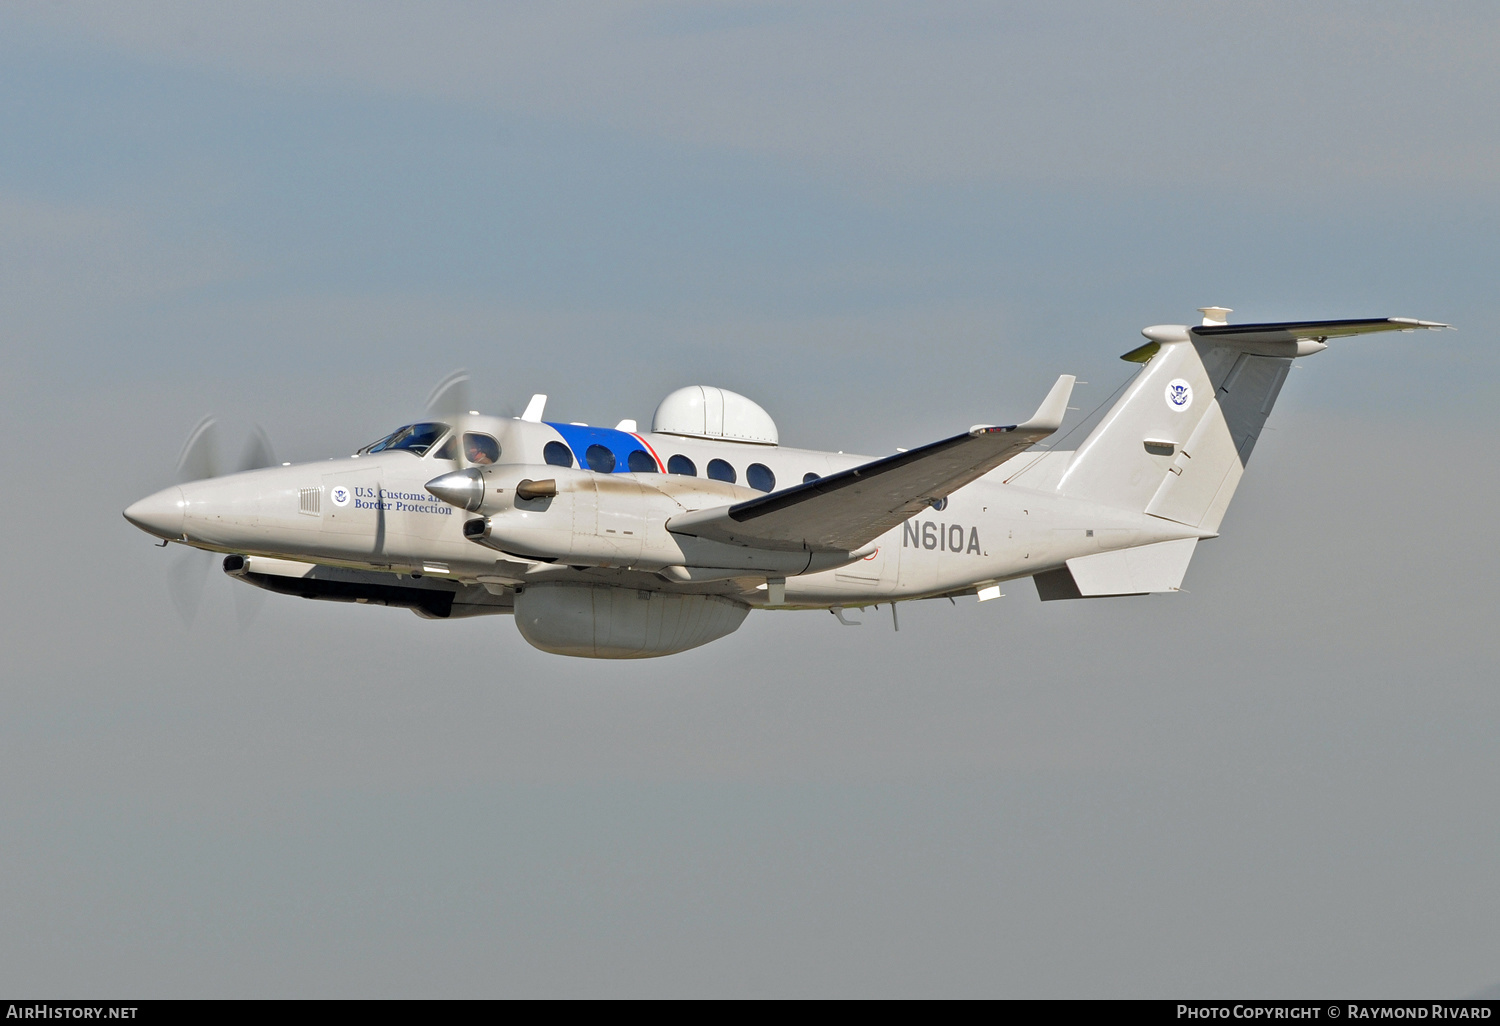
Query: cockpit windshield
(413,438)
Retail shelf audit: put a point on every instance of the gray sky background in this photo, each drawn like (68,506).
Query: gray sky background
(881,223)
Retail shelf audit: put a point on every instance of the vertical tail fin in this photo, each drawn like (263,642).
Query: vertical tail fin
(1176,443)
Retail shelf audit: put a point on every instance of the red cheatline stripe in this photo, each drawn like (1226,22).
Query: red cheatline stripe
(661,468)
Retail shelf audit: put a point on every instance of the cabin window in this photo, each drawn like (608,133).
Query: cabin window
(680,464)
(481,449)
(759,477)
(810,477)
(448,450)
(600,458)
(640,462)
(718,470)
(558,455)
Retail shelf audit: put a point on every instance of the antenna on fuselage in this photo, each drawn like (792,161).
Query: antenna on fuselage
(199,460)
(534,409)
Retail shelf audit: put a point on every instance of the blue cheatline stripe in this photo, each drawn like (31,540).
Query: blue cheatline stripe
(579,438)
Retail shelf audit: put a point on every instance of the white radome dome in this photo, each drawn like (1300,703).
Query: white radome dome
(703,411)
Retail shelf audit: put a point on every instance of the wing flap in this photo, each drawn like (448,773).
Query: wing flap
(845,511)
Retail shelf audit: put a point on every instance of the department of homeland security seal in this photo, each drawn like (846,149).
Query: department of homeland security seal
(1179,395)
(340,496)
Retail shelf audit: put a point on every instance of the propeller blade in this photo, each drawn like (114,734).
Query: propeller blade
(450,402)
(258,452)
(450,399)
(200,453)
(185,580)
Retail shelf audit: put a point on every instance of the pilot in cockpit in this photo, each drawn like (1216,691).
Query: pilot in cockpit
(481,450)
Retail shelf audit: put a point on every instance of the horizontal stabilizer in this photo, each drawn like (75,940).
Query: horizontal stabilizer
(1273,338)
(1291,331)
(845,511)
(1134,571)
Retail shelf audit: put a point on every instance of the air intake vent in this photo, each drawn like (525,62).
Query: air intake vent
(310,501)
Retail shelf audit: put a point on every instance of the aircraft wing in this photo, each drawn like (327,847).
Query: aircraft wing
(845,511)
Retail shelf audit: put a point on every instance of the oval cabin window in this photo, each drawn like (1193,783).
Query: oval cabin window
(600,458)
(809,478)
(640,462)
(680,464)
(718,470)
(759,477)
(558,455)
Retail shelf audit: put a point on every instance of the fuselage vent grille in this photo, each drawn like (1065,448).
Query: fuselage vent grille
(310,501)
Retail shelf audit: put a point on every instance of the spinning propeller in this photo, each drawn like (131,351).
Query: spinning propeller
(450,397)
(200,459)
(449,403)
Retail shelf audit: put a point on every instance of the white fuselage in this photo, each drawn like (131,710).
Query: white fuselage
(373,512)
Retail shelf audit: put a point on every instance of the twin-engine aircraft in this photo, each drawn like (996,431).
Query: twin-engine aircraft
(617,544)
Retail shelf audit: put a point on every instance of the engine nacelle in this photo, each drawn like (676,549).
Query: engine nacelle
(581,518)
(603,622)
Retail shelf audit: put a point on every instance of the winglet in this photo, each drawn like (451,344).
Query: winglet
(534,409)
(1049,416)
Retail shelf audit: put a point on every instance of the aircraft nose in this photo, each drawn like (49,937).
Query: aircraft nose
(159,514)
